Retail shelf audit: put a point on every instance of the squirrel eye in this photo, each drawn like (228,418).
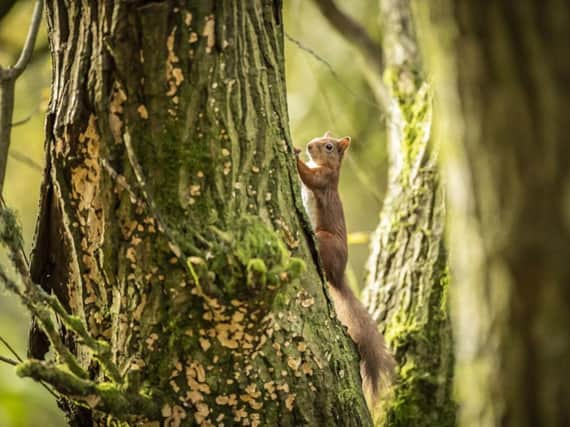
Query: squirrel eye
(329,146)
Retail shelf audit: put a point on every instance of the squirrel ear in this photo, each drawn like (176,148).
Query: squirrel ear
(327,134)
(344,143)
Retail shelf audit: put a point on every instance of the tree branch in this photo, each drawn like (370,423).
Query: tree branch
(400,44)
(5,7)
(38,301)
(38,309)
(373,103)
(8,78)
(101,349)
(41,51)
(372,52)
(20,360)
(8,361)
(25,119)
(6,111)
(355,33)
(21,157)
(14,71)
(10,349)
(106,397)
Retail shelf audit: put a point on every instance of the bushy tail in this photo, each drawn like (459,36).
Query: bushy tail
(376,363)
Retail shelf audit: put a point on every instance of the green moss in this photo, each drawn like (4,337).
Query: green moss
(105,396)
(410,404)
(349,396)
(256,273)
(281,301)
(252,254)
(418,343)
(10,229)
(296,268)
(413,98)
(256,240)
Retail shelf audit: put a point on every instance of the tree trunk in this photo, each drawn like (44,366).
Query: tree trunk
(501,74)
(171,223)
(407,282)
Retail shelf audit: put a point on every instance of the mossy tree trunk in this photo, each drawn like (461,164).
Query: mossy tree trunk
(406,288)
(501,75)
(171,223)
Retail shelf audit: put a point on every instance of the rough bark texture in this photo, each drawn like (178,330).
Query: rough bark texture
(171,220)
(501,74)
(406,289)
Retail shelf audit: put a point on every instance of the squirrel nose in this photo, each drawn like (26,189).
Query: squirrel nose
(310,147)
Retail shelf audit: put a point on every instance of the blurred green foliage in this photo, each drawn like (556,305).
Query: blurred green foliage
(318,101)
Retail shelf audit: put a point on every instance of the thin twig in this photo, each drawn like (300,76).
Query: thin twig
(10,349)
(21,157)
(41,51)
(100,348)
(119,179)
(353,32)
(25,119)
(364,178)
(31,295)
(15,363)
(7,91)
(8,78)
(372,52)
(335,75)
(34,303)
(26,54)
(36,300)
(8,361)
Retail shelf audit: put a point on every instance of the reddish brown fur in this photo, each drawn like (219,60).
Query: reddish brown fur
(330,227)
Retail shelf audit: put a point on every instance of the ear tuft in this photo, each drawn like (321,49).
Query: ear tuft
(344,143)
(327,134)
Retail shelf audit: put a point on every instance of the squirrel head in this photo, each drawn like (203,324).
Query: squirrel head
(328,151)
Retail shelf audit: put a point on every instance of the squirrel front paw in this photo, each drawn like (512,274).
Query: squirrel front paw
(297,151)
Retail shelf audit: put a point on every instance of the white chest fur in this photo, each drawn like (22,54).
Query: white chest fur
(309,201)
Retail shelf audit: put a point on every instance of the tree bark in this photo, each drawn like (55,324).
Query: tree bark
(171,223)
(406,288)
(501,75)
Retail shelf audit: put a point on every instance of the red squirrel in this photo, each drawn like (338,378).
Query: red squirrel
(320,179)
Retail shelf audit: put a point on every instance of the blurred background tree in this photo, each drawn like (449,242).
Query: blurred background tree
(501,74)
(323,95)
